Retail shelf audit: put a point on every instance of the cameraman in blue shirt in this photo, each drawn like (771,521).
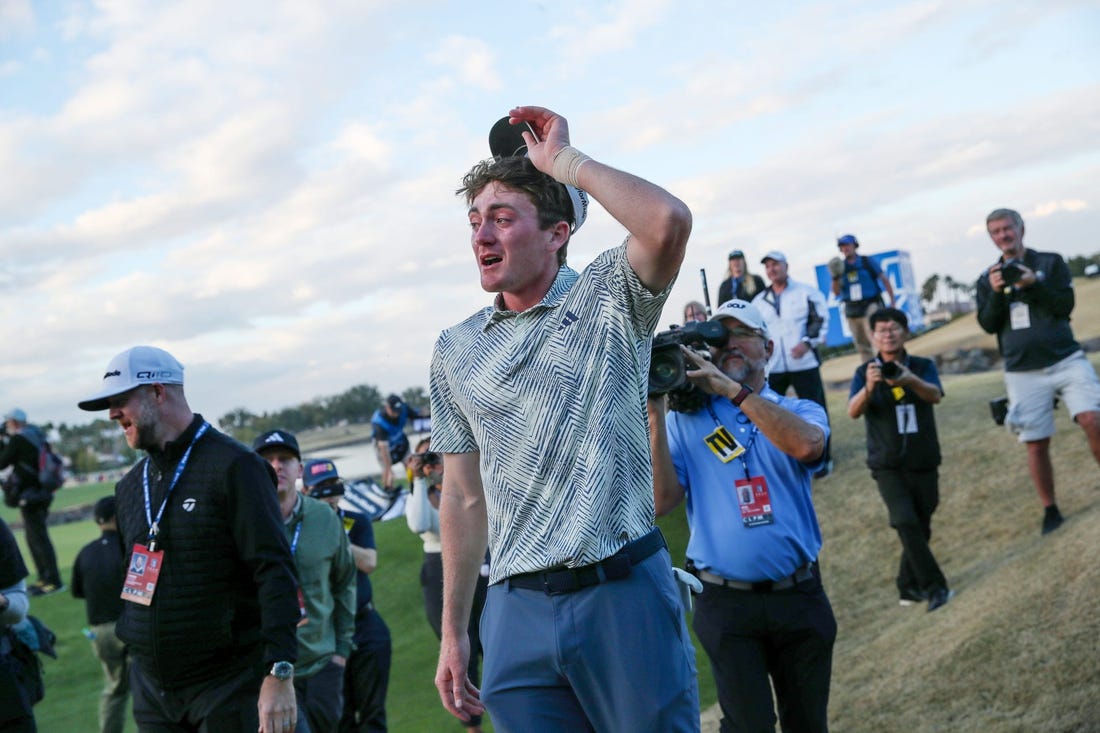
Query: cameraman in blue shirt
(744,462)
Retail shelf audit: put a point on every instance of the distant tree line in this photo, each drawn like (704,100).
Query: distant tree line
(930,290)
(356,405)
(1078,264)
(100,445)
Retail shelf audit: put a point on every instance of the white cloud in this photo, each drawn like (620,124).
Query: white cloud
(590,35)
(472,60)
(1048,208)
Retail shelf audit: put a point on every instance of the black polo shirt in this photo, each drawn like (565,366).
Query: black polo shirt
(901,427)
(98,574)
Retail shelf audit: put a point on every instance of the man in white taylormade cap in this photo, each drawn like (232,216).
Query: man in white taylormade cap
(211,587)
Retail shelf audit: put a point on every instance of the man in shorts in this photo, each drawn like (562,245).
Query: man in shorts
(1026,298)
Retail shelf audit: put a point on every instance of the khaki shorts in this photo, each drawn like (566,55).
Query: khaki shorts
(1031,395)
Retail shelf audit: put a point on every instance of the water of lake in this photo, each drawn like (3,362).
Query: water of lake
(358,460)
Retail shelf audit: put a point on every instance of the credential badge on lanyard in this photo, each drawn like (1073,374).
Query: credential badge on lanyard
(722,443)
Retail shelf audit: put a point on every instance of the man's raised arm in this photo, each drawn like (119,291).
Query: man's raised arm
(658,222)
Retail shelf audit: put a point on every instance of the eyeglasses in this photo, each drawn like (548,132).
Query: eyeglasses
(742,334)
(888,330)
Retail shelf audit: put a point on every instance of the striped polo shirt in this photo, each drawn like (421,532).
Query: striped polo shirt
(554,400)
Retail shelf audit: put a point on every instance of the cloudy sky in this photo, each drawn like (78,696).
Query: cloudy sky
(265,189)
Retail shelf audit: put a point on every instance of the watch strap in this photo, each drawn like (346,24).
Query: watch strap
(738,398)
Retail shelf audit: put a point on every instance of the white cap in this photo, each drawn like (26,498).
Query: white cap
(774,255)
(743,311)
(132,368)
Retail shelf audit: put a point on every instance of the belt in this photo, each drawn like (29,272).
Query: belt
(764,586)
(568,580)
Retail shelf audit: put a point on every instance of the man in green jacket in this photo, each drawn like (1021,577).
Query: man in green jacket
(326,573)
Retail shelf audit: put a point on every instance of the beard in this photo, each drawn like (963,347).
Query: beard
(146,433)
(739,367)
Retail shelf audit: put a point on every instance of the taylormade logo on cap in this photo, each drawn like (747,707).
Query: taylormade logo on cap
(132,368)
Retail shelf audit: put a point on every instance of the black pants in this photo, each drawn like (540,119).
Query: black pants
(38,541)
(788,636)
(16,696)
(807,386)
(321,698)
(911,497)
(223,705)
(367,677)
(431,586)
(25,724)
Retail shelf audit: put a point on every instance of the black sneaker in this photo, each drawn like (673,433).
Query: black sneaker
(825,470)
(911,596)
(1052,519)
(44,589)
(939,597)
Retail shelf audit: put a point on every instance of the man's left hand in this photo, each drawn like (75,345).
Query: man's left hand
(552,132)
(901,377)
(1027,277)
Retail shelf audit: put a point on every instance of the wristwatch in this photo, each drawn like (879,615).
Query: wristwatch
(282,671)
(738,398)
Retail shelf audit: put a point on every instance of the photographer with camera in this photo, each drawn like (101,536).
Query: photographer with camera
(896,392)
(859,283)
(1026,298)
(23,489)
(422,515)
(388,424)
(744,461)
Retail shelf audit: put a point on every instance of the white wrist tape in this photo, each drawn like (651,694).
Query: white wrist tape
(567,162)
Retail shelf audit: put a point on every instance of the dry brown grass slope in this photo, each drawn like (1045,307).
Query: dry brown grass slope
(1017,650)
